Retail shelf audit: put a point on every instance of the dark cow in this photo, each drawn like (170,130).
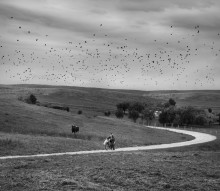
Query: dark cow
(75,129)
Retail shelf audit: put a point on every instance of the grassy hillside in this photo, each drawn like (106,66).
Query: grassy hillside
(203,99)
(29,129)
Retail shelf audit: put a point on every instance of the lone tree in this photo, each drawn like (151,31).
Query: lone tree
(31,99)
(119,113)
(172,102)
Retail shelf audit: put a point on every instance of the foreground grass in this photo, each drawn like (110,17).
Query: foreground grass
(194,167)
(116,171)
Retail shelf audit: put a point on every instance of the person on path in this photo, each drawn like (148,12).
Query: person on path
(112,141)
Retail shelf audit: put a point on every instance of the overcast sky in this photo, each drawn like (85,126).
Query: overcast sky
(128,44)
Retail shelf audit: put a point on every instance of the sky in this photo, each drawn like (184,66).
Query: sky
(118,44)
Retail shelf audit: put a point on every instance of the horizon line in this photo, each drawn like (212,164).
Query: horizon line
(109,88)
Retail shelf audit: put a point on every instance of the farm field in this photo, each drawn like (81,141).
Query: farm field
(31,129)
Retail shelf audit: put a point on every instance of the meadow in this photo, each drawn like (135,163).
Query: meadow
(32,129)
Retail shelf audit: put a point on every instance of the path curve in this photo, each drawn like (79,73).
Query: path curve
(199,138)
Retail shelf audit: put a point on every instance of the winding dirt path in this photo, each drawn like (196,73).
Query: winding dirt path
(199,138)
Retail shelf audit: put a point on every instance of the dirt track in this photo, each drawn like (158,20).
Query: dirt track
(199,138)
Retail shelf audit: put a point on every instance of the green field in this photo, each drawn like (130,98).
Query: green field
(32,129)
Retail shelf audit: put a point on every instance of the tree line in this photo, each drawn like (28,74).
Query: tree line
(167,113)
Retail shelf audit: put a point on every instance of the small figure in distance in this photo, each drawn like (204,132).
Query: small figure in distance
(110,142)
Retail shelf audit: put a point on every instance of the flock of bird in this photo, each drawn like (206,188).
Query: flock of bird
(106,62)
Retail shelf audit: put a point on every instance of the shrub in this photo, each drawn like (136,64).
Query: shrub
(79,112)
(107,113)
(172,102)
(119,113)
(31,99)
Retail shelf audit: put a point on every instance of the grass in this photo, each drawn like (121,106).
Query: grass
(54,126)
(203,99)
(30,129)
(213,146)
(118,171)
(19,144)
(9,143)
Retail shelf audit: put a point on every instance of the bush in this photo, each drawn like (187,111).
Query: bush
(31,99)
(172,102)
(107,113)
(119,113)
(79,112)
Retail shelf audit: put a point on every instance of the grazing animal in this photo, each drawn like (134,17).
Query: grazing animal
(75,129)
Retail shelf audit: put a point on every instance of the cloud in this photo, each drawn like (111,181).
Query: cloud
(207,18)
(162,5)
(145,24)
(47,19)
